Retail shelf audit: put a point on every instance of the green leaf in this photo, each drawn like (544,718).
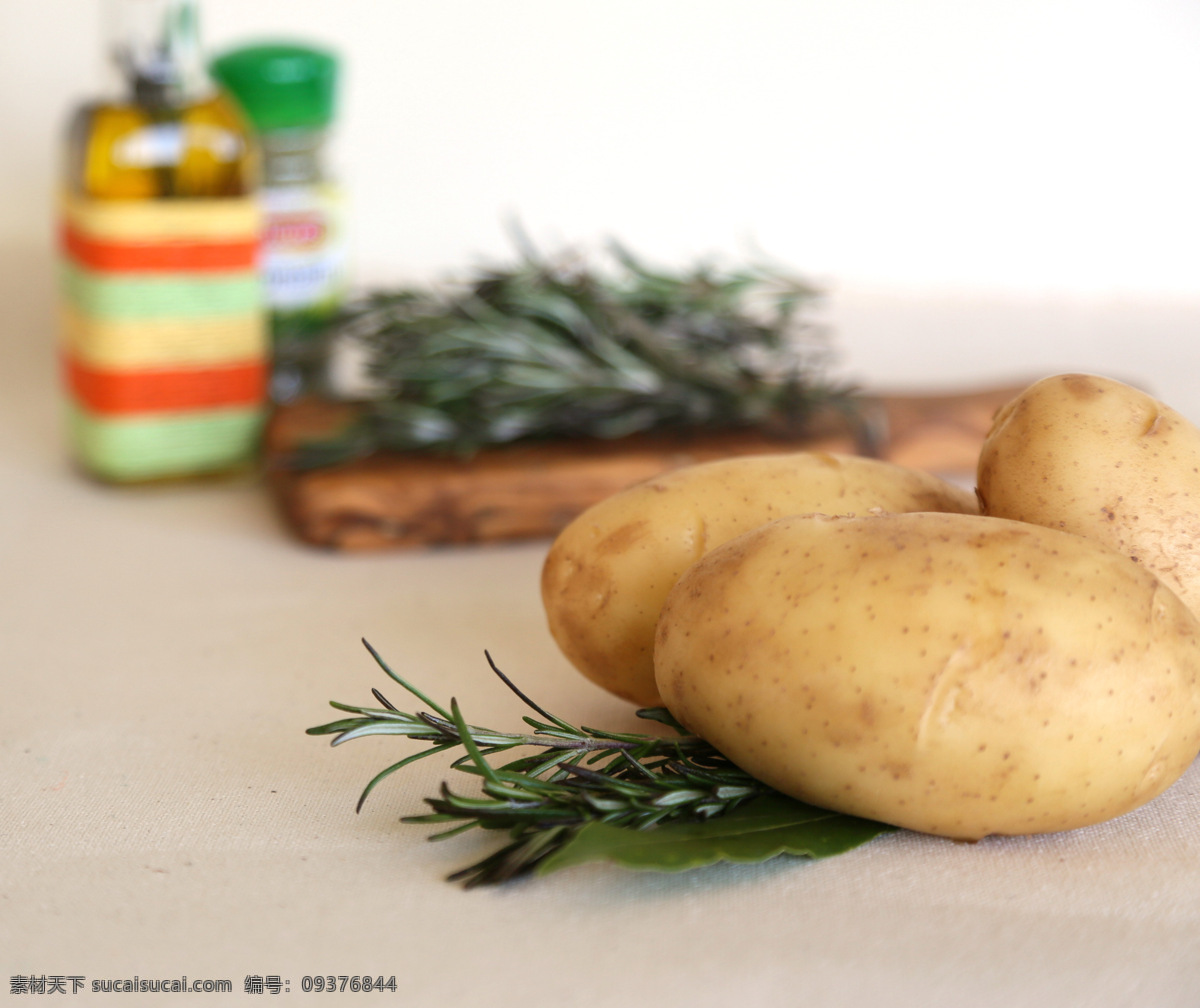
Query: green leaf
(758,830)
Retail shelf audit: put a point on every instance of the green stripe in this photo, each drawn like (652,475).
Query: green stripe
(167,444)
(139,296)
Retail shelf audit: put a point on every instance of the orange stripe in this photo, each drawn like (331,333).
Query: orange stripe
(175,255)
(165,390)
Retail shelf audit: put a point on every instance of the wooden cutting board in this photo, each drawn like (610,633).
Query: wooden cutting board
(533,490)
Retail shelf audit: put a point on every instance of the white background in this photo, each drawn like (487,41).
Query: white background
(987,189)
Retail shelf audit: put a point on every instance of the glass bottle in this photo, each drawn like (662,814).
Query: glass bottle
(287,90)
(165,345)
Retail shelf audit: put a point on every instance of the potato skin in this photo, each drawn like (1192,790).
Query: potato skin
(951,674)
(608,572)
(1099,458)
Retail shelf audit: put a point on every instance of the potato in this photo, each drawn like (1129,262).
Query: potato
(952,674)
(608,572)
(1097,457)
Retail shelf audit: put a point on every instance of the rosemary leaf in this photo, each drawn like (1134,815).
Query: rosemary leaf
(552,805)
(553,347)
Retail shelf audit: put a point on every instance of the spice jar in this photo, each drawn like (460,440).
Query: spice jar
(287,91)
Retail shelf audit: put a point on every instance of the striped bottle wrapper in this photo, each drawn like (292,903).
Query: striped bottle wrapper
(164,335)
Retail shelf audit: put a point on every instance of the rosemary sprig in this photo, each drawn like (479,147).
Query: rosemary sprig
(573,776)
(555,347)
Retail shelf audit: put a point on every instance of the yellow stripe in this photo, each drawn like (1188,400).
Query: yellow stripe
(158,220)
(158,342)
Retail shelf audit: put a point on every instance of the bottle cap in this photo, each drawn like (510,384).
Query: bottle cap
(280,85)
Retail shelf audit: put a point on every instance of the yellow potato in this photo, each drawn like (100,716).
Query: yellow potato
(1099,458)
(952,674)
(607,574)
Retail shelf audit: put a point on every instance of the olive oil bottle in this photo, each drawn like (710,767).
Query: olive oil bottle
(165,345)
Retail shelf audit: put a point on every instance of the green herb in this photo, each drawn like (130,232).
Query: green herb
(583,794)
(756,831)
(559,348)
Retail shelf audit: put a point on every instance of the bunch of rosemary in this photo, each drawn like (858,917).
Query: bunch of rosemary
(573,779)
(553,347)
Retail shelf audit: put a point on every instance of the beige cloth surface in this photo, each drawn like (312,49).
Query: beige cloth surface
(162,812)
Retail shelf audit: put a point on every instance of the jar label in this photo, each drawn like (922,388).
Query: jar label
(164,145)
(304,255)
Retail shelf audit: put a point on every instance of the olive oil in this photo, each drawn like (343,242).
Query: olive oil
(165,344)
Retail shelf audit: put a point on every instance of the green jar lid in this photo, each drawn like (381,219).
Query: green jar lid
(280,85)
